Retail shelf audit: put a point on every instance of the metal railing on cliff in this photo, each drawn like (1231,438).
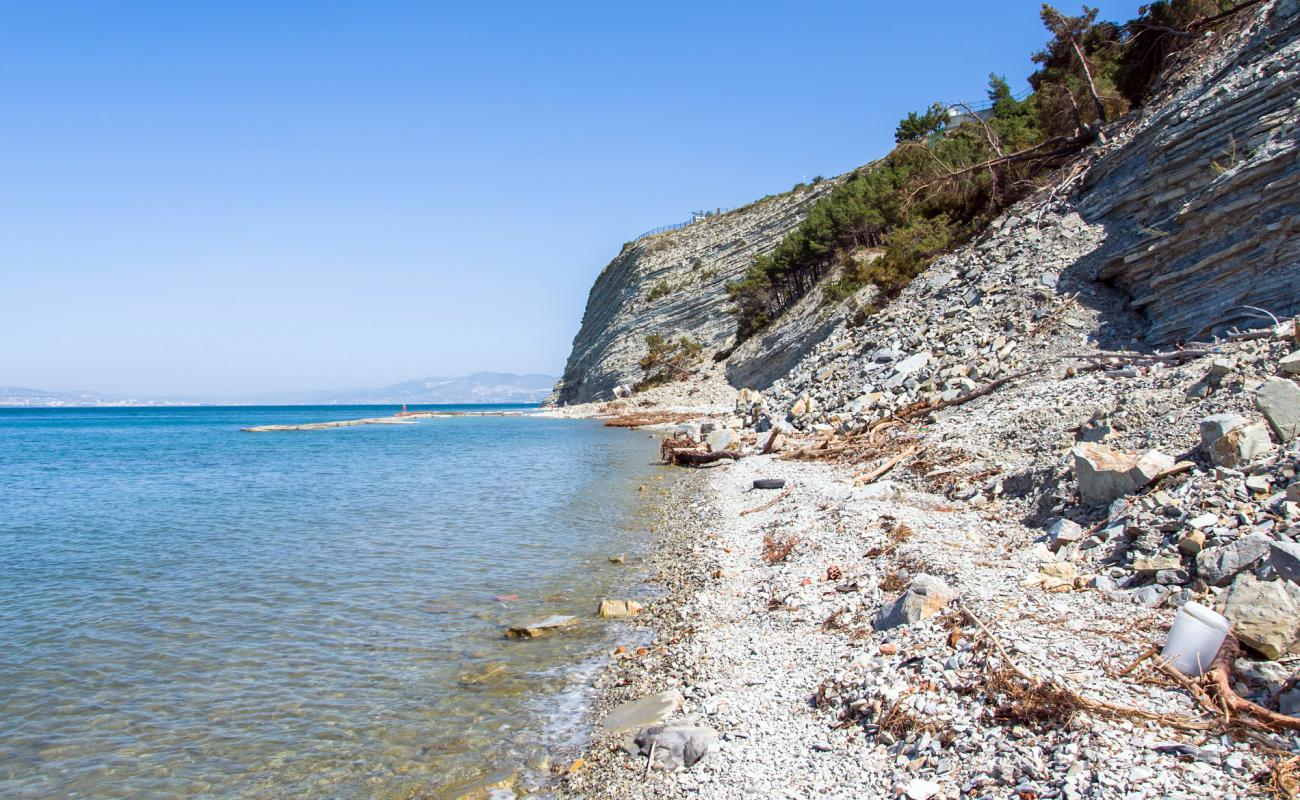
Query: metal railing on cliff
(696,216)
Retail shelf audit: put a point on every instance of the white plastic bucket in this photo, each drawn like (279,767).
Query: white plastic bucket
(1195,638)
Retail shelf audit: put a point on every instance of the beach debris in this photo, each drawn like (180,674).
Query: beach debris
(880,471)
(777,547)
(1215,694)
(1194,639)
(506,598)
(769,483)
(768,504)
(618,609)
(618,559)
(651,709)
(683,451)
(541,627)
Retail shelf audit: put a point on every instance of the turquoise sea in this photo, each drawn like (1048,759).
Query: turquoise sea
(187,610)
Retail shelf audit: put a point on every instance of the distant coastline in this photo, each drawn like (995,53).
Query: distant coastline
(479,388)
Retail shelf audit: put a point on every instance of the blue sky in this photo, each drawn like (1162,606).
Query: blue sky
(227,197)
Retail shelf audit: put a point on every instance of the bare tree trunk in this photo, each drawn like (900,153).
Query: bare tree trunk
(1092,87)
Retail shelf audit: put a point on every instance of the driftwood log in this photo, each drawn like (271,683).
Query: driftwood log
(695,458)
(1215,694)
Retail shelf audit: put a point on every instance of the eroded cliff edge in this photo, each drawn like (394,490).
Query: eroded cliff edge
(673,284)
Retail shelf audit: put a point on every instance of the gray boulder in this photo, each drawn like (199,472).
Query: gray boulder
(1105,473)
(649,710)
(676,746)
(1064,532)
(722,439)
(880,490)
(1229,440)
(1285,558)
(1265,615)
(912,363)
(1219,565)
(690,430)
(1279,399)
(925,597)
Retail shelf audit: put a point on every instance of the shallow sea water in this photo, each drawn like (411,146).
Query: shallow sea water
(189,610)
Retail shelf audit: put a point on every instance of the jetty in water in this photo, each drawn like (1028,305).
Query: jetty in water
(405,418)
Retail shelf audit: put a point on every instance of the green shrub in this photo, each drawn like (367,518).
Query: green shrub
(667,360)
(659,290)
(941,184)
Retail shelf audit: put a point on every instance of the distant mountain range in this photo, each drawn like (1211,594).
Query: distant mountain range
(481,387)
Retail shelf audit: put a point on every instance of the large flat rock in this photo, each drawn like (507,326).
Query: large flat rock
(649,710)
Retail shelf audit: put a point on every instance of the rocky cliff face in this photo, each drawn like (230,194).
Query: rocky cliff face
(1207,194)
(1190,209)
(673,284)
(1185,215)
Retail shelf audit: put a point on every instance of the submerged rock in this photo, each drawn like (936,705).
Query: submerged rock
(484,787)
(541,627)
(617,609)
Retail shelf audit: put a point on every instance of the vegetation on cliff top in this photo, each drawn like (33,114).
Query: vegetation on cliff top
(942,184)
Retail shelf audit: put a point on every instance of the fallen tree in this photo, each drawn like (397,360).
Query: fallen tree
(697,458)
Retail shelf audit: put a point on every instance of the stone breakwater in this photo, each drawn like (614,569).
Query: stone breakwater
(408,418)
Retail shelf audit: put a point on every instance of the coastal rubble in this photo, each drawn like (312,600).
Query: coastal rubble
(1003,486)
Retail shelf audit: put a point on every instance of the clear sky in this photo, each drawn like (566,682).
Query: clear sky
(228,197)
